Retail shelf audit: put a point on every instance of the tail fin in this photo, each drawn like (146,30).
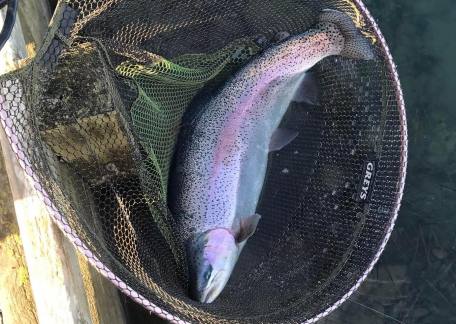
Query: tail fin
(356,45)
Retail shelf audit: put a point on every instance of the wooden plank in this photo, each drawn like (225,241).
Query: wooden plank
(55,277)
(78,121)
(16,300)
(65,288)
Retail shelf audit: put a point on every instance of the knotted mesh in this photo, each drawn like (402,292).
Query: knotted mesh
(94,119)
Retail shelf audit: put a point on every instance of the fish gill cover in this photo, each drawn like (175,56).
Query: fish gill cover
(94,119)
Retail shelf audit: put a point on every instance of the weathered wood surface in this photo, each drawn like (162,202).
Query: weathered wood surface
(65,288)
(77,89)
(78,121)
(57,285)
(16,300)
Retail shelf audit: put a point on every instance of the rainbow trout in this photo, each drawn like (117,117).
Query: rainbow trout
(221,168)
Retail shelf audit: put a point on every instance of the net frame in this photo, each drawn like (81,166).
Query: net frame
(64,225)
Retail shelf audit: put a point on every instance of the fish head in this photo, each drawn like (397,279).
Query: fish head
(212,256)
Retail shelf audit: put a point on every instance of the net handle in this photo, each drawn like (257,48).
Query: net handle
(10,20)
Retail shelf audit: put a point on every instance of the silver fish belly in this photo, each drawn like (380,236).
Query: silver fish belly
(220,172)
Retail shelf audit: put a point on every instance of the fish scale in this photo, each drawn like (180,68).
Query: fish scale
(222,164)
(235,127)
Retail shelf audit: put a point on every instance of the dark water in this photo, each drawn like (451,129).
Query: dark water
(415,279)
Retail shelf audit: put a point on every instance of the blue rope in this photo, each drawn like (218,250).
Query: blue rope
(10,19)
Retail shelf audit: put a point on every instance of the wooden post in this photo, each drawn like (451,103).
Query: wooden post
(64,287)
(16,301)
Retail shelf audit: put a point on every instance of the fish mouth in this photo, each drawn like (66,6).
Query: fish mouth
(213,291)
(210,295)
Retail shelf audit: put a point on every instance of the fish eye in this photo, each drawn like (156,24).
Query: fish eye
(208,273)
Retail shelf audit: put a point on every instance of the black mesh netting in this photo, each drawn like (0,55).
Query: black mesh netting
(94,120)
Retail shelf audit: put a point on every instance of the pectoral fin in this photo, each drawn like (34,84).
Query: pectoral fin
(281,138)
(307,91)
(247,227)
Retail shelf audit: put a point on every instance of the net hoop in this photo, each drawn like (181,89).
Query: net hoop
(64,226)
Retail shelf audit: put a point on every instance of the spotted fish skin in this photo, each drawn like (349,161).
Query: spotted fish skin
(221,169)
